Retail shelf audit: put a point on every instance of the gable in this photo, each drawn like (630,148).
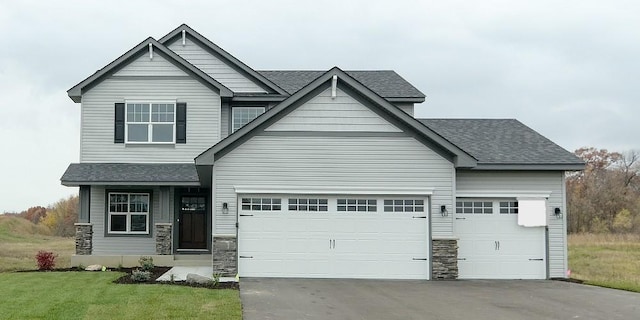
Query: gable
(146,66)
(341,113)
(214,66)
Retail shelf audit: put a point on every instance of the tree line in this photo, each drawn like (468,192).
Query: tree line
(59,217)
(605,197)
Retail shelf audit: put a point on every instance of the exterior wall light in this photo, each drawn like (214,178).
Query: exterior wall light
(225,208)
(443,211)
(558,213)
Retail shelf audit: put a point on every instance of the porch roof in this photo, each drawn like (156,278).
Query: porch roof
(156,174)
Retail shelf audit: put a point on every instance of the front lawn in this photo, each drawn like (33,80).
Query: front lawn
(606,260)
(92,295)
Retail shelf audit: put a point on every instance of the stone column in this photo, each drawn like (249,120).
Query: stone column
(164,239)
(445,259)
(84,239)
(224,252)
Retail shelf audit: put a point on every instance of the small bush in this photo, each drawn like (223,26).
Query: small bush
(146,263)
(80,267)
(216,279)
(46,260)
(140,275)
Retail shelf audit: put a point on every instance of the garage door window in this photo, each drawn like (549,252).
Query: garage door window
(474,207)
(403,205)
(261,204)
(508,207)
(359,205)
(305,204)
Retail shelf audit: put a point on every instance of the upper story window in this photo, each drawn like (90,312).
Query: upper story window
(244,115)
(150,122)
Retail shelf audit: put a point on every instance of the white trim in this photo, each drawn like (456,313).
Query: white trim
(503,194)
(331,190)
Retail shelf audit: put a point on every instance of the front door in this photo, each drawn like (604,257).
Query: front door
(192,222)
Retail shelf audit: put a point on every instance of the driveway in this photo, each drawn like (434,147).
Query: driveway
(466,299)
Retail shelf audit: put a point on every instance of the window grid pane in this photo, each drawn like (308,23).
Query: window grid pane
(261,204)
(404,205)
(508,207)
(128,212)
(474,207)
(304,204)
(357,205)
(244,115)
(147,122)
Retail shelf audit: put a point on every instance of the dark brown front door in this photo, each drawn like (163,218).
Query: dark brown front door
(193,222)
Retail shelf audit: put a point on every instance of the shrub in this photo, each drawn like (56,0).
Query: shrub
(80,267)
(140,275)
(46,260)
(146,263)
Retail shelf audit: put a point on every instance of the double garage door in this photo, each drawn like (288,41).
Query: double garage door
(323,236)
(493,246)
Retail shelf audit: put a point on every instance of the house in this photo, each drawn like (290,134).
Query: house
(187,153)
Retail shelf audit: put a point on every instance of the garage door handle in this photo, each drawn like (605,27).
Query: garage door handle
(245,257)
(246,215)
(462,259)
(419,217)
(536,259)
(420,259)
(461,218)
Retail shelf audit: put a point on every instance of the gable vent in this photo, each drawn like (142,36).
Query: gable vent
(334,87)
(150,51)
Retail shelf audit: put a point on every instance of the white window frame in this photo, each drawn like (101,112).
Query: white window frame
(403,205)
(149,123)
(128,214)
(233,116)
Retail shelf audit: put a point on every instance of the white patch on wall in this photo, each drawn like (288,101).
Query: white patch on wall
(532,212)
(342,113)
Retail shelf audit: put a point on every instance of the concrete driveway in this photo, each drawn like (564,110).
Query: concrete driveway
(466,299)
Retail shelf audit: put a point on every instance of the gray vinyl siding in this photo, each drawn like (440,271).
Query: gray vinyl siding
(203,115)
(319,161)
(406,107)
(119,245)
(214,67)
(514,181)
(225,115)
(143,66)
(324,113)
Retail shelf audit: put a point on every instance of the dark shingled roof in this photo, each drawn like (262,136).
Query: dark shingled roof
(501,141)
(131,173)
(386,83)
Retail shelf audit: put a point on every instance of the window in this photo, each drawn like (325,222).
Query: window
(508,207)
(150,122)
(128,213)
(308,205)
(474,207)
(406,205)
(261,204)
(360,205)
(244,115)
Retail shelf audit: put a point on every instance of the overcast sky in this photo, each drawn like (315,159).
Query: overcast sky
(568,69)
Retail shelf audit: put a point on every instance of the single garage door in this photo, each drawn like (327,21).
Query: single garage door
(493,246)
(325,236)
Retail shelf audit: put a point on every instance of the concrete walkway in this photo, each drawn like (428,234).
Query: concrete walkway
(180,274)
(465,299)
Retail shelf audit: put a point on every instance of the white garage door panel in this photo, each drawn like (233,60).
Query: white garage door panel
(333,245)
(494,246)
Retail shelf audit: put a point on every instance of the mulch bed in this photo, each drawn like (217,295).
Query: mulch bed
(158,271)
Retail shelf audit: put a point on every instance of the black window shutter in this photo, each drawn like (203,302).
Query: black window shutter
(118,136)
(181,122)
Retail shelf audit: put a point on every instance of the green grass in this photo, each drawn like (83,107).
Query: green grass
(20,240)
(606,260)
(92,295)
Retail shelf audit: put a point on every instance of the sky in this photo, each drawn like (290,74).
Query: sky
(568,69)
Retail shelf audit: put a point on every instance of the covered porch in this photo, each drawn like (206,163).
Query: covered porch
(132,210)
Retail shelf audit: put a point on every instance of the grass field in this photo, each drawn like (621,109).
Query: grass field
(92,295)
(606,260)
(20,240)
